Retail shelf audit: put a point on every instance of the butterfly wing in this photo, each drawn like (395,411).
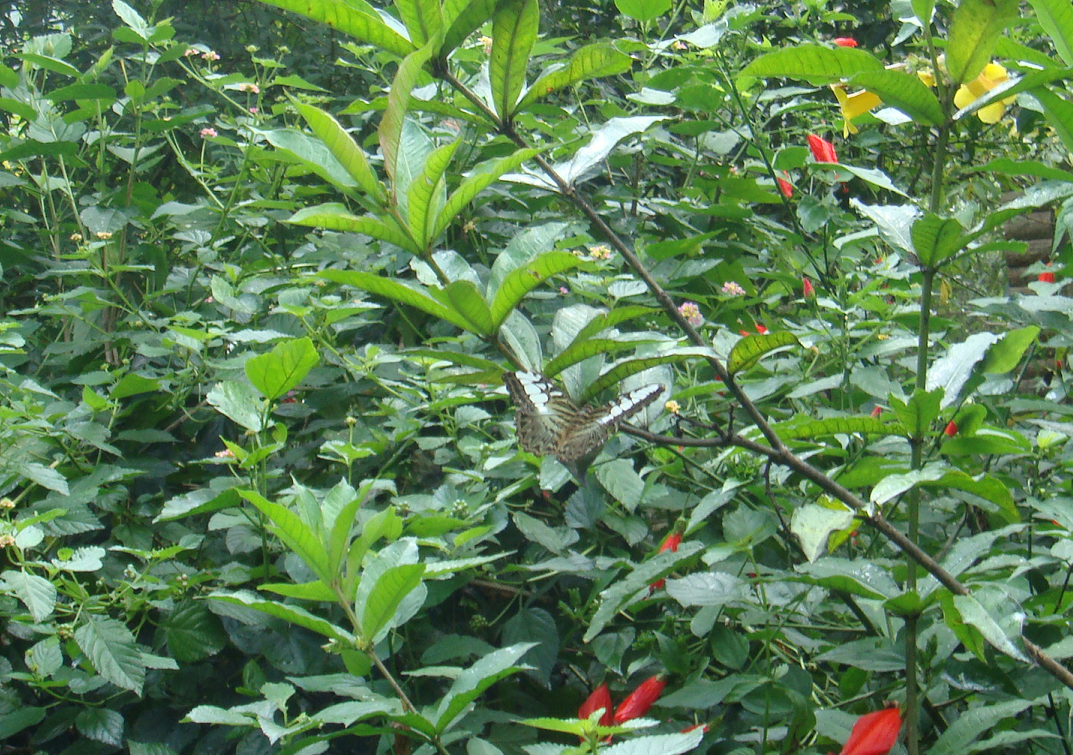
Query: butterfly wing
(593,425)
(544,412)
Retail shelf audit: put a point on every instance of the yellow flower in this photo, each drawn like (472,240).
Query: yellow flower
(989,78)
(854,106)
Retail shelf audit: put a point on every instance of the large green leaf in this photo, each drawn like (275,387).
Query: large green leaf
(514,31)
(295,534)
(589,62)
(476,679)
(935,239)
(579,352)
(974,30)
(112,650)
(281,369)
(344,15)
(524,279)
(398,104)
(643,10)
(287,612)
(1056,18)
(903,91)
(335,217)
(623,370)
(953,369)
(386,595)
(1007,353)
(814,63)
(610,320)
(1059,112)
(475,183)
(426,193)
(816,428)
(751,349)
(396,291)
(35,592)
(462,17)
(344,149)
(958,737)
(464,299)
(423,19)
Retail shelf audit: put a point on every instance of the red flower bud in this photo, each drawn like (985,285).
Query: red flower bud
(1046,277)
(874,733)
(845,41)
(807,289)
(761,329)
(877,411)
(640,700)
(670,544)
(785,186)
(822,150)
(951,429)
(600,698)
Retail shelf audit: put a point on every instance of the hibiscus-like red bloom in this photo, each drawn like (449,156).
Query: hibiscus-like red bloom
(640,700)
(822,150)
(845,41)
(874,733)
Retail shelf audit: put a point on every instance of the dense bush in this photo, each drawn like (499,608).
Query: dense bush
(263,487)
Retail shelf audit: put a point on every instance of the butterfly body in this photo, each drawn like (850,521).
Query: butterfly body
(550,423)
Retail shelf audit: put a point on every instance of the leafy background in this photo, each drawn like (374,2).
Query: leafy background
(262,491)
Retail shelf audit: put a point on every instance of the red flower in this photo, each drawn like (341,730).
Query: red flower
(785,186)
(670,544)
(762,330)
(874,733)
(807,289)
(600,698)
(822,150)
(845,41)
(1047,277)
(951,429)
(640,700)
(877,411)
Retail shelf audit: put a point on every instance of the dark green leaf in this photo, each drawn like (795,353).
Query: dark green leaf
(283,368)
(590,62)
(111,648)
(514,31)
(751,349)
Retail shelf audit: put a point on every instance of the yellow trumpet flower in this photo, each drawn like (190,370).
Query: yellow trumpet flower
(989,78)
(854,105)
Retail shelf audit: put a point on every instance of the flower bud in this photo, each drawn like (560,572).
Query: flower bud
(640,700)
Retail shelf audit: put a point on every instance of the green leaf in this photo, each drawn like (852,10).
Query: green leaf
(1010,167)
(751,349)
(1059,112)
(344,149)
(464,298)
(238,402)
(193,632)
(935,239)
(1008,352)
(813,523)
(475,680)
(813,63)
(643,11)
(462,18)
(657,744)
(1056,18)
(293,614)
(335,217)
(539,627)
(111,648)
(974,31)
(522,280)
(514,31)
(386,595)
(423,19)
(952,370)
(815,428)
(426,194)
(295,534)
(100,724)
(36,593)
(483,177)
(46,477)
(857,577)
(918,414)
(586,349)
(398,104)
(905,92)
(19,718)
(315,591)
(344,15)
(972,723)
(609,320)
(623,370)
(398,292)
(280,370)
(894,485)
(590,62)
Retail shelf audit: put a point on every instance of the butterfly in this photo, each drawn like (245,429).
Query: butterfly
(548,422)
